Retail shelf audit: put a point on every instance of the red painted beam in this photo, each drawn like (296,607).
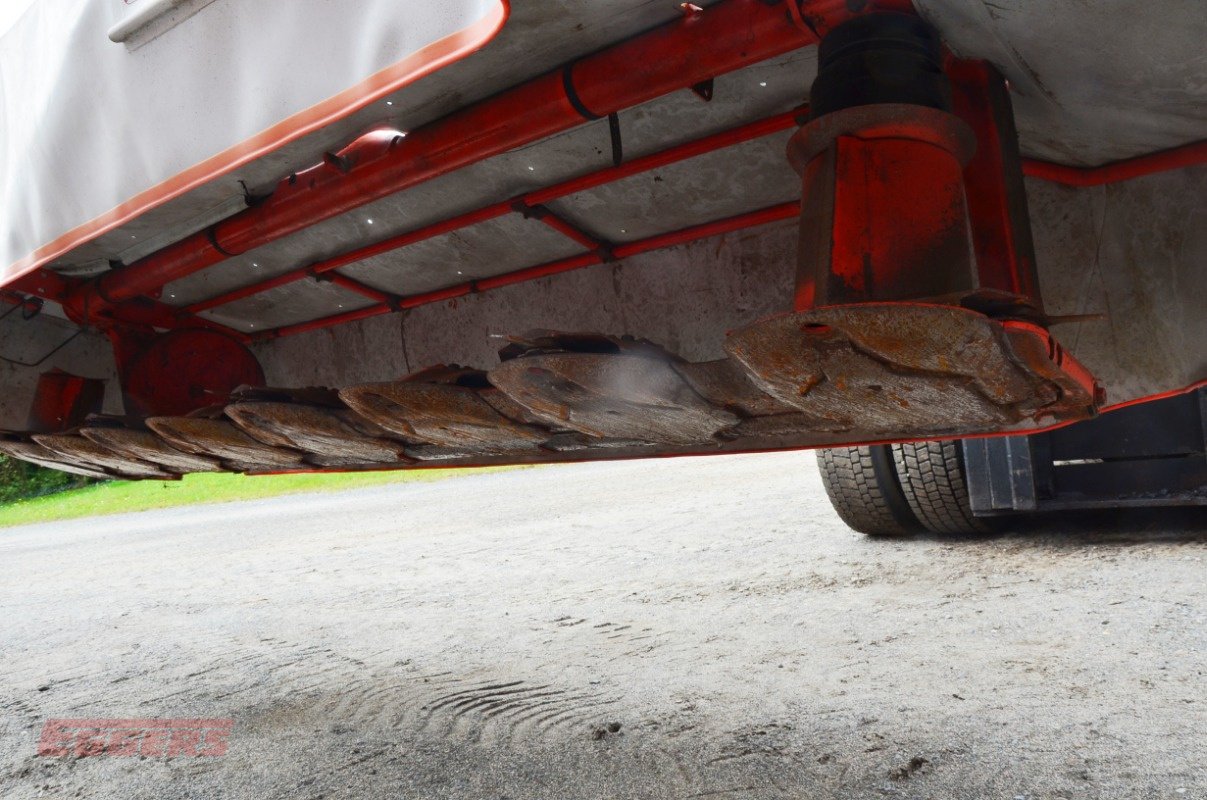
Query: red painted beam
(568,229)
(359,254)
(727,36)
(993,183)
(352,285)
(138,313)
(539,271)
(763,216)
(1177,158)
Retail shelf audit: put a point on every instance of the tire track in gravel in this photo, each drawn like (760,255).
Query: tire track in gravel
(403,698)
(497,674)
(510,711)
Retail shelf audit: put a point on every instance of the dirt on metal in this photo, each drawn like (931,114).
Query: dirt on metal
(147,446)
(607,388)
(220,439)
(328,432)
(75,449)
(443,415)
(882,369)
(829,376)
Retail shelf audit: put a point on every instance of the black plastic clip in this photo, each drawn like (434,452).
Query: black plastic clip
(529,212)
(617,146)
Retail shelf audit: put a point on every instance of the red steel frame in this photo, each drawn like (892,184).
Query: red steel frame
(531,204)
(725,37)
(703,44)
(763,216)
(1175,158)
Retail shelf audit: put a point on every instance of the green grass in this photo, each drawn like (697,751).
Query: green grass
(119,497)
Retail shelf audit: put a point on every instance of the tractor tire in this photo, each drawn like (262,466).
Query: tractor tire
(863,488)
(932,478)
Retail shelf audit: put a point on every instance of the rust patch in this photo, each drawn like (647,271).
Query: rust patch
(608,388)
(901,370)
(37,454)
(334,434)
(147,446)
(572,441)
(796,426)
(509,408)
(221,439)
(442,415)
(78,450)
(724,383)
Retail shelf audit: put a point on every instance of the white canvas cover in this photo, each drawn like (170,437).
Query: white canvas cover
(111,107)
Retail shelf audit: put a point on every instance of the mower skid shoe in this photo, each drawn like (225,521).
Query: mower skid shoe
(78,450)
(607,388)
(435,416)
(724,384)
(221,439)
(912,370)
(146,446)
(330,436)
(33,453)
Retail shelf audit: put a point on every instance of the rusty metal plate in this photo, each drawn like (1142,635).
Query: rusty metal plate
(308,395)
(724,383)
(41,456)
(611,396)
(429,452)
(222,439)
(78,450)
(146,446)
(797,426)
(901,370)
(443,415)
(335,434)
(509,408)
(573,441)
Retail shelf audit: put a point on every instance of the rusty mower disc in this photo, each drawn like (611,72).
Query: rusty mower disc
(184,370)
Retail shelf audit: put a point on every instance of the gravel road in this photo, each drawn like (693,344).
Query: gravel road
(691,628)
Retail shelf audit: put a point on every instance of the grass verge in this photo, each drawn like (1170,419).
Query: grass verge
(120,497)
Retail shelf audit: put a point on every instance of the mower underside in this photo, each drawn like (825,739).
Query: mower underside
(620,230)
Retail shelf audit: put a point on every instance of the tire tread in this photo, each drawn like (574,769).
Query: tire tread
(932,478)
(866,498)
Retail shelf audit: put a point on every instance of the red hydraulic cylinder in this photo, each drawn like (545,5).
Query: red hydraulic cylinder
(882,165)
(887,215)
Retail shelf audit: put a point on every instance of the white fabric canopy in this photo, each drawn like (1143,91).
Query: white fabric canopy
(94,132)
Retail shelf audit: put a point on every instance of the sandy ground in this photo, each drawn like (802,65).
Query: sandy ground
(699,628)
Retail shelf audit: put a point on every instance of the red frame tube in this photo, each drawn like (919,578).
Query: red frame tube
(352,285)
(1176,158)
(567,229)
